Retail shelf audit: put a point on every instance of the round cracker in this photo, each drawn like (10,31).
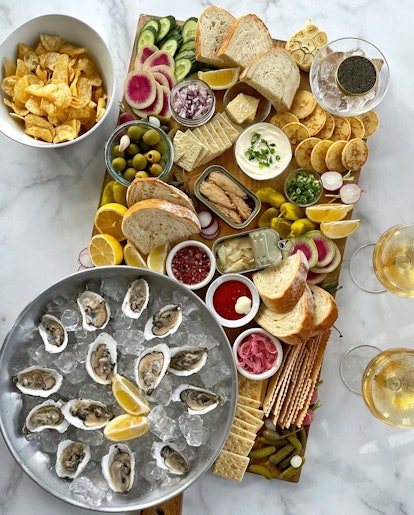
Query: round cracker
(342,130)
(304,150)
(281,119)
(296,132)
(333,157)
(354,154)
(303,103)
(357,127)
(315,121)
(318,155)
(371,122)
(328,128)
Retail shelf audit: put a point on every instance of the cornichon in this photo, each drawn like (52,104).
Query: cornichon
(261,470)
(291,471)
(258,454)
(281,454)
(293,439)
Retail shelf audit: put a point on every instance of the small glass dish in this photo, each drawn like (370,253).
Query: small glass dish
(271,340)
(192,102)
(163,146)
(263,107)
(228,290)
(326,87)
(303,187)
(191,263)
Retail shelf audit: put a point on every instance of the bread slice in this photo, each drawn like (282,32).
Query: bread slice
(152,187)
(212,27)
(247,38)
(293,327)
(154,222)
(326,310)
(275,75)
(280,286)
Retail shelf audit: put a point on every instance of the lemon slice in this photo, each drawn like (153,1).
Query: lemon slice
(108,219)
(220,79)
(126,427)
(133,257)
(105,250)
(157,257)
(128,396)
(340,229)
(328,212)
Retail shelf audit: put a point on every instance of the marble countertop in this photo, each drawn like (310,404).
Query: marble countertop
(355,464)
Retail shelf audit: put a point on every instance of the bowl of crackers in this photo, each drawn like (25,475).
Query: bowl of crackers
(58,82)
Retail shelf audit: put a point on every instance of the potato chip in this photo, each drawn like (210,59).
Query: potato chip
(51,43)
(33,105)
(9,67)
(17,108)
(39,133)
(8,84)
(20,89)
(71,50)
(22,68)
(101,108)
(87,66)
(67,131)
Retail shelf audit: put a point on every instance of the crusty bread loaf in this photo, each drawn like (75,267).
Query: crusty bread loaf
(326,310)
(212,27)
(152,187)
(247,38)
(154,222)
(275,75)
(280,286)
(293,327)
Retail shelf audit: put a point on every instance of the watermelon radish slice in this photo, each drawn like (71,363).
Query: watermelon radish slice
(165,111)
(306,245)
(155,107)
(331,266)
(167,72)
(325,247)
(315,278)
(159,58)
(140,89)
(161,79)
(144,52)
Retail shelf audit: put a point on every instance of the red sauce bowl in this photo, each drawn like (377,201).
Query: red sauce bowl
(223,294)
(191,263)
(258,353)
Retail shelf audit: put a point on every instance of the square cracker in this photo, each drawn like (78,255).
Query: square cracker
(247,401)
(238,444)
(242,432)
(249,418)
(258,413)
(252,428)
(230,465)
(249,387)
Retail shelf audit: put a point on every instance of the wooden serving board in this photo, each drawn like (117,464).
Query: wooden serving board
(174,505)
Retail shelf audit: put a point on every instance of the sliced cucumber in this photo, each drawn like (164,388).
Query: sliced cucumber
(185,54)
(152,23)
(189,44)
(171,45)
(188,30)
(183,67)
(167,23)
(147,36)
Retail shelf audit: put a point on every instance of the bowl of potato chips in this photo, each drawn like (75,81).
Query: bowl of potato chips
(57,82)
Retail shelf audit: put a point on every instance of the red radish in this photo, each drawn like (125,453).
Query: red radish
(314,398)
(159,58)
(309,417)
(350,193)
(155,107)
(212,229)
(205,218)
(126,117)
(143,53)
(140,89)
(331,181)
(167,71)
(325,248)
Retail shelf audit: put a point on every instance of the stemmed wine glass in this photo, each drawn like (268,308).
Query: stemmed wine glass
(384,378)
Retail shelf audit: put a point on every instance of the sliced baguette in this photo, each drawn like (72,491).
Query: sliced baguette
(280,286)
(293,327)
(275,75)
(247,38)
(212,27)
(152,187)
(326,310)
(153,222)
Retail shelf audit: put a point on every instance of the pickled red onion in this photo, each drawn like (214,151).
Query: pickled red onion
(256,353)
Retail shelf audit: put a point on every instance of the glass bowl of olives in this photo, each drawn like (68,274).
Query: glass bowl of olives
(138,149)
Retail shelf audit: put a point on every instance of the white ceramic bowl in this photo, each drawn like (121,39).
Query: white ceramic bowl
(275,341)
(214,294)
(73,31)
(187,273)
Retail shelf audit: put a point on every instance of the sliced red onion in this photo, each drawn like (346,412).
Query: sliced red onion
(205,218)
(84,259)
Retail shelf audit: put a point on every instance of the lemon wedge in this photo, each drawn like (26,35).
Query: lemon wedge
(340,229)
(126,427)
(133,257)
(157,257)
(105,250)
(220,79)
(319,213)
(128,396)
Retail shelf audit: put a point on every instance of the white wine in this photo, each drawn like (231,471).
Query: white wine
(388,387)
(394,260)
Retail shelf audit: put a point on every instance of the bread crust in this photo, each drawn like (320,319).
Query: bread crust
(326,310)
(151,187)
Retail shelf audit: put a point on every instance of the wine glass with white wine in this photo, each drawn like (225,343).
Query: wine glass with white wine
(384,378)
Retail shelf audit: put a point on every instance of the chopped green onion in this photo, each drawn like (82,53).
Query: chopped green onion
(303,188)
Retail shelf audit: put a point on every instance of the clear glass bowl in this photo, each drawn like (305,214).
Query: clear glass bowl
(189,92)
(324,83)
(164,146)
(312,194)
(263,108)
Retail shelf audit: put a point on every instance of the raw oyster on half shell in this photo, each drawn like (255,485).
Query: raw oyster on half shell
(101,361)
(72,458)
(47,415)
(198,400)
(136,298)
(118,468)
(151,367)
(87,413)
(169,457)
(38,381)
(187,360)
(163,323)
(53,333)
(94,309)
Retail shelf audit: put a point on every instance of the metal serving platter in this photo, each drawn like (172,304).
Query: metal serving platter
(18,352)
